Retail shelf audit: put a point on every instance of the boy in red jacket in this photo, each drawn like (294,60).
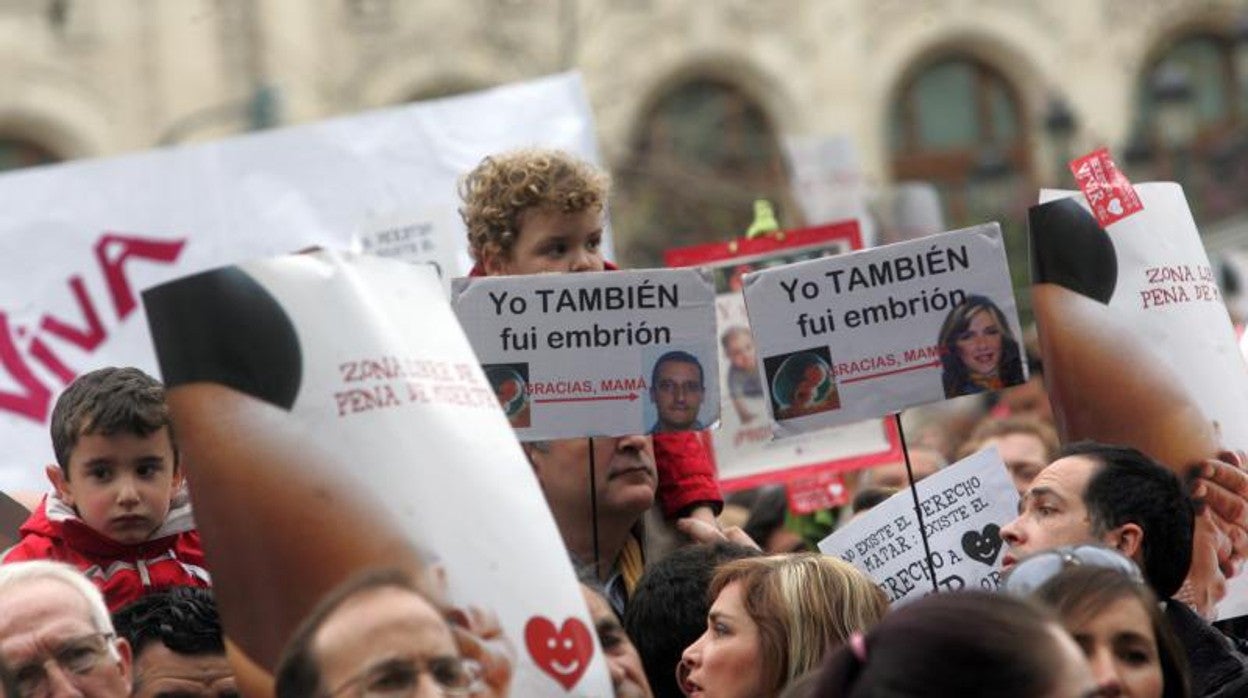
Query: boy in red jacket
(118,512)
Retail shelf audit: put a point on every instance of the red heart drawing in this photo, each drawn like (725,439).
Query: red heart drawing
(563,653)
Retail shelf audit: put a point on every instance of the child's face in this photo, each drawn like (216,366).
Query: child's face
(740,351)
(121,485)
(552,241)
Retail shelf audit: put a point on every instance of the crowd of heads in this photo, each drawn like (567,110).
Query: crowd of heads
(1089,604)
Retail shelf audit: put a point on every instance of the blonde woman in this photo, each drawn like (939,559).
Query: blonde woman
(773,619)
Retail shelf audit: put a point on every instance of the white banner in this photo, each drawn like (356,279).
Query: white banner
(334,418)
(83,238)
(596,354)
(855,336)
(1138,346)
(964,508)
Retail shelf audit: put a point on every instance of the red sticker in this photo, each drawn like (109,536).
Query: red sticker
(1108,191)
(824,490)
(563,653)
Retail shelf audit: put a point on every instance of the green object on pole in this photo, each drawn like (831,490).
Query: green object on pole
(764,219)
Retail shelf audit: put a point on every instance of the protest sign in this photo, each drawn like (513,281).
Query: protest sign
(964,508)
(12,515)
(1138,347)
(74,264)
(846,338)
(745,453)
(596,354)
(333,418)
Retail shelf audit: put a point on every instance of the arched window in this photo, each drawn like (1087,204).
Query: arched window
(958,124)
(16,153)
(1191,114)
(703,153)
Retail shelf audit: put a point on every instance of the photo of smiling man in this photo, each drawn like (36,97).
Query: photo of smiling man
(677,387)
(978,352)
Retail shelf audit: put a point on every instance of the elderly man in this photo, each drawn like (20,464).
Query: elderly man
(56,636)
(177,643)
(1122,498)
(377,634)
(599,525)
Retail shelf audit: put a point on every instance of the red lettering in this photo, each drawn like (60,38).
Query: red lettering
(113,250)
(88,338)
(33,400)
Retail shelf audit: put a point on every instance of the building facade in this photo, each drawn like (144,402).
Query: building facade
(692,99)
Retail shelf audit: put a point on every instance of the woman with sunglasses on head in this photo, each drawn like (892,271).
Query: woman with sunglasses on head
(1103,602)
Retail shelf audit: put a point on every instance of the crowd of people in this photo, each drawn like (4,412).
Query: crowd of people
(109,591)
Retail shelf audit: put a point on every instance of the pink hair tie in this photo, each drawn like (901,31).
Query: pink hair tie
(858,645)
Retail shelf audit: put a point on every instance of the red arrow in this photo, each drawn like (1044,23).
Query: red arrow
(630,397)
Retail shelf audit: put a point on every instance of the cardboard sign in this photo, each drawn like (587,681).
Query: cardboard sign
(333,418)
(1138,346)
(964,507)
(596,354)
(74,264)
(745,453)
(1105,187)
(861,335)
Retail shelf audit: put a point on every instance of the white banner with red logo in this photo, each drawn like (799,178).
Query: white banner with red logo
(334,419)
(82,239)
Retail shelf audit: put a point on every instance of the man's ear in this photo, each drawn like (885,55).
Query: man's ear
(126,660)
(1127,539)
(56,476)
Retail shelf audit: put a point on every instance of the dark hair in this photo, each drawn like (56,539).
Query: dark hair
(955,375)
(184,619)
(667,611)
(109,401)
(768,515)
(869,497)
(8,684)
(1080,593)
(298,673)
(955,644)
(1130,487)
(676,356)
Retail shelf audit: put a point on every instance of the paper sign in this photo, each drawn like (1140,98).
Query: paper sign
(1138,346)
(426,238)
(1105,187)
(861,335)
(74,265)
(333,418)
(745,453)
(964,508)
(12,516)
(596,354)
(824,490)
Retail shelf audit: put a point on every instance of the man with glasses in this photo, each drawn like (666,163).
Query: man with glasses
(377,636)
(676,389)
(1121,498)
(56,636)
